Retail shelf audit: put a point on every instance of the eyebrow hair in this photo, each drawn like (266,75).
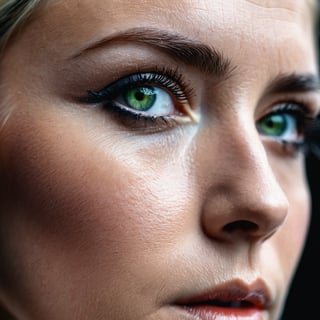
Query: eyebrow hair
(188,51)
(295,82)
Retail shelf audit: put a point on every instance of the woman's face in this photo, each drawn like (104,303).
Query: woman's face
(148,159)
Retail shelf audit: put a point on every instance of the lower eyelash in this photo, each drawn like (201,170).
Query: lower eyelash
(139,120)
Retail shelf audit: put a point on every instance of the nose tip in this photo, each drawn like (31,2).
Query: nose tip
(245,198)
(250,214)
(260,216)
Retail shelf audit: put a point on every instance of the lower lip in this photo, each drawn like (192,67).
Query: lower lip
(220,313)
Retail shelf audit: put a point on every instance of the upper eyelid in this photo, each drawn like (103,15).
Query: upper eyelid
(167,78)
(288,106)
(300,88)
(307,101)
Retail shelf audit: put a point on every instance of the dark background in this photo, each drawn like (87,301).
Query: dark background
(304,298)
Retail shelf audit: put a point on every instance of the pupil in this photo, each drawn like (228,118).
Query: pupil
(270,124)
(140,98)
(139,95)
(274,125)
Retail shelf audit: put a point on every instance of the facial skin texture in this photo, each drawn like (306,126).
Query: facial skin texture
(108,219)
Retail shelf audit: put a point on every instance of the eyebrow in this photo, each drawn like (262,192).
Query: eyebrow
(189,51)
(294,82)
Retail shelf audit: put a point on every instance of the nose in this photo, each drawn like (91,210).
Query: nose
(244,199)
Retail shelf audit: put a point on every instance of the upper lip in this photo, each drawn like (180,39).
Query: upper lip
(233,294)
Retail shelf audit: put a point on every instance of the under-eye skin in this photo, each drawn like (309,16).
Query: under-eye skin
(159,98)
(287,124)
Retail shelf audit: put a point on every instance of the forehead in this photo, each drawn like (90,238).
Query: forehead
(65,27)
(87,20)
(268,31)
(208,13)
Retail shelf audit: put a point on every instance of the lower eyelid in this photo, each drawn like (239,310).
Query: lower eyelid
(147,123)
(282,148)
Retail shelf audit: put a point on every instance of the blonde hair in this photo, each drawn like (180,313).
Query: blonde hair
(13,14)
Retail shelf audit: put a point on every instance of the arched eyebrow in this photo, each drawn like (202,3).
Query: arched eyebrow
(294,82)
(189,51)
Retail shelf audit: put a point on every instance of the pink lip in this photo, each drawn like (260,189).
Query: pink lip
(235,300)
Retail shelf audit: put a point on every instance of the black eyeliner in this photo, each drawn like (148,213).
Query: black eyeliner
(169,80)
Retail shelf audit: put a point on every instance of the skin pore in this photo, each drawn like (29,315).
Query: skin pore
(108,213)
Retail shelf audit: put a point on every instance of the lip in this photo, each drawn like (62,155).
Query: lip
(234,300)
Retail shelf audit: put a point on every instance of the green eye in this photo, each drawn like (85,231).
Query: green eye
(140,98)
(274,125)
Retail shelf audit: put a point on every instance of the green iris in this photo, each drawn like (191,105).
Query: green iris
(140,98)
(273,125)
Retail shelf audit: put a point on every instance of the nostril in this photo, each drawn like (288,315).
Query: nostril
(241,225)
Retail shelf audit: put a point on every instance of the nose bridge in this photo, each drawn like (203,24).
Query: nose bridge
(245,197)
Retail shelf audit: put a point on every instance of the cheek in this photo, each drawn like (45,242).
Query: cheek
(77,211)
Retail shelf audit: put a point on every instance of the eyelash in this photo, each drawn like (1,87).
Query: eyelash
(307,127)
(169,80)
